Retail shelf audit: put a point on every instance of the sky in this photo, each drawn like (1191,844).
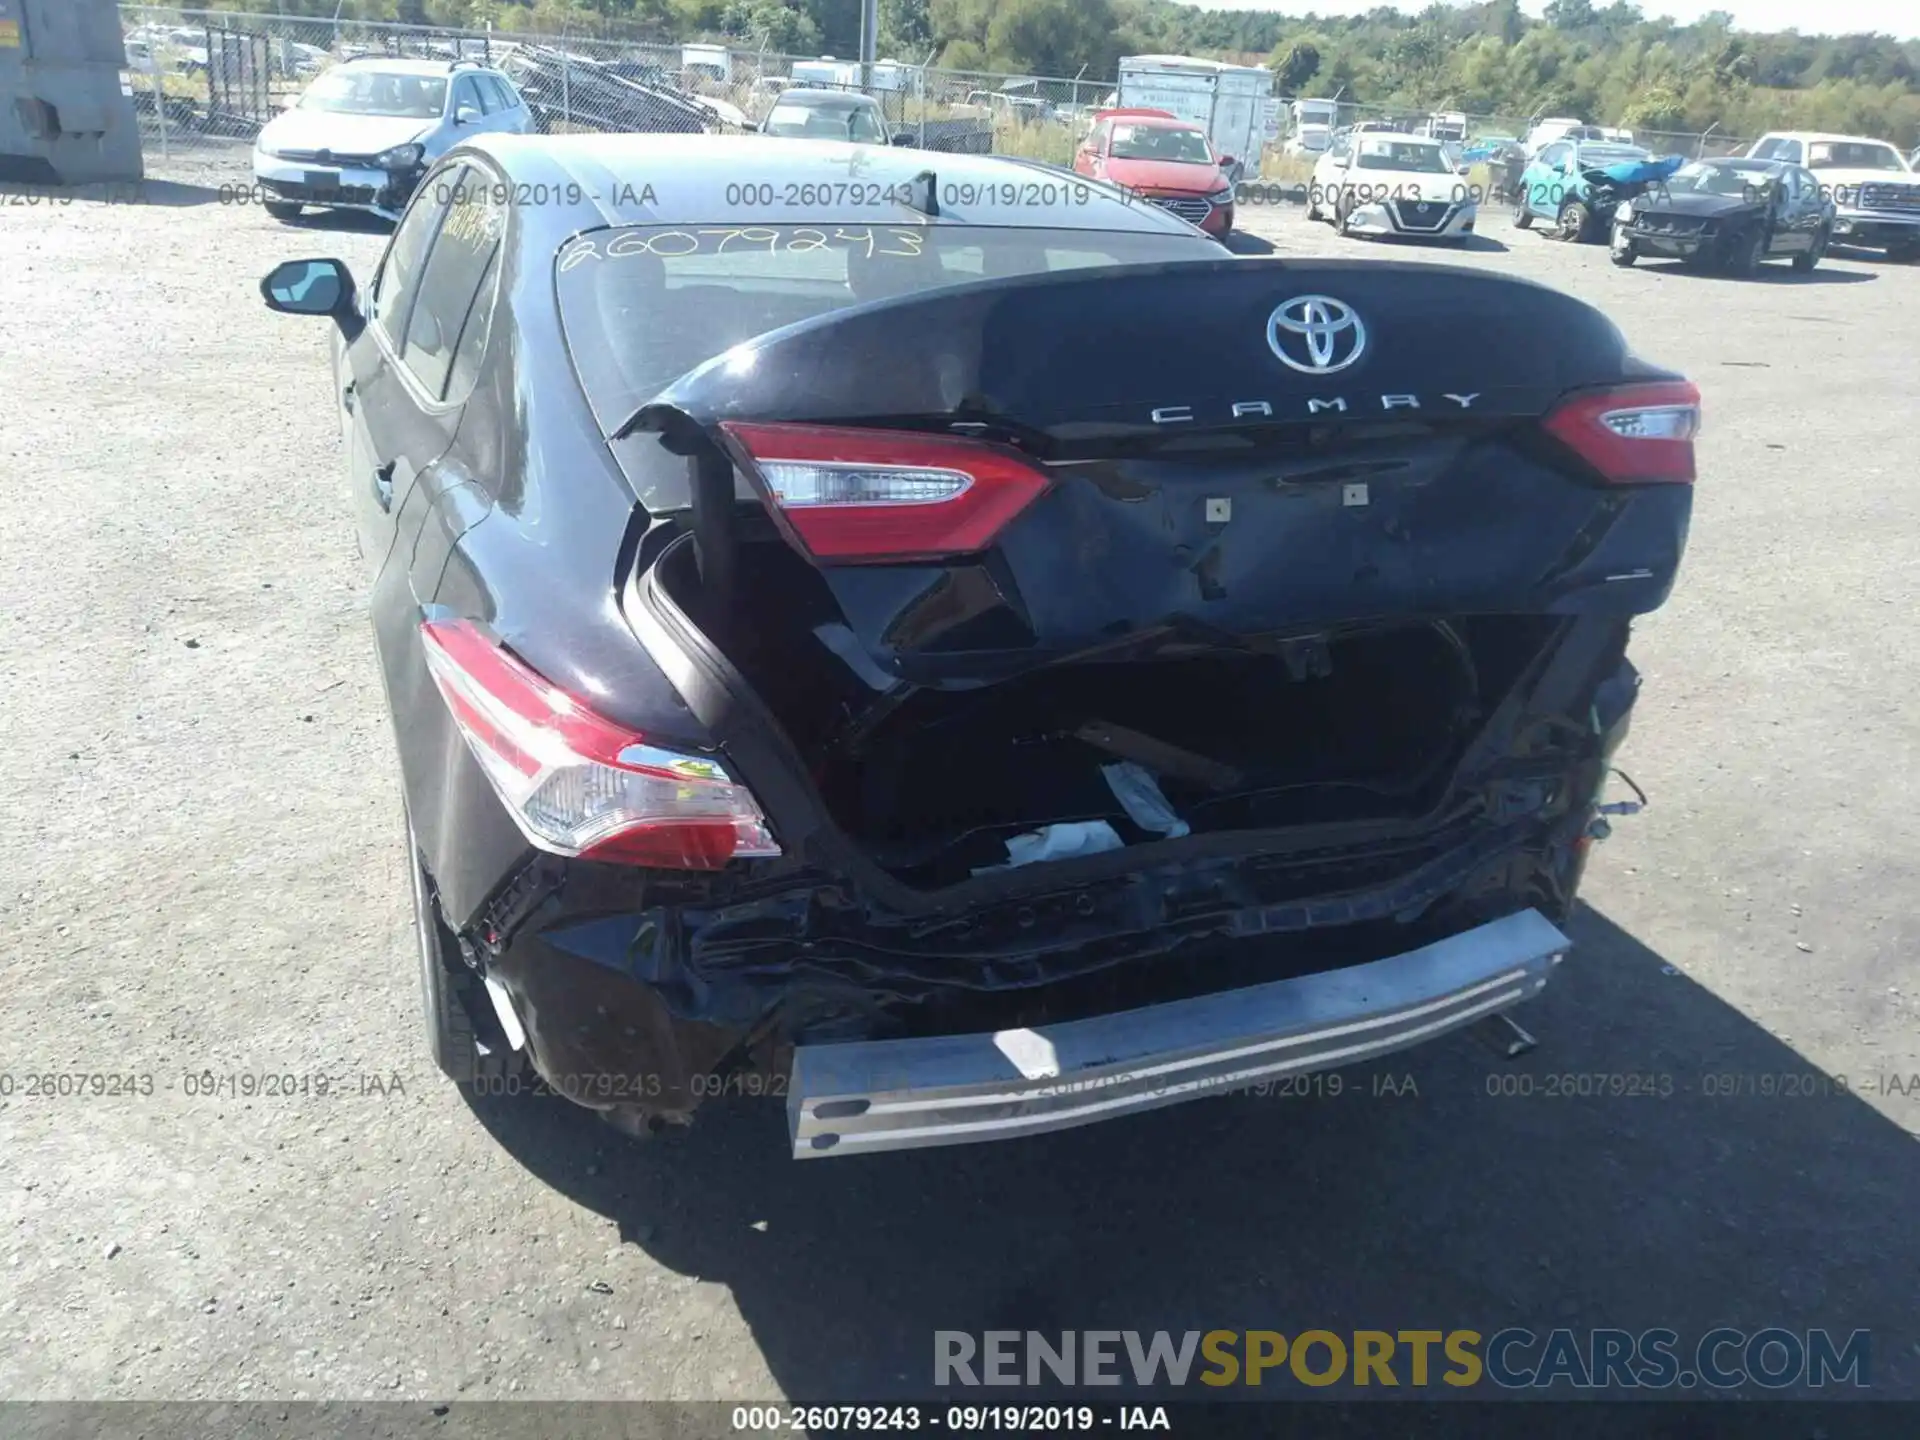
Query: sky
(1900,18)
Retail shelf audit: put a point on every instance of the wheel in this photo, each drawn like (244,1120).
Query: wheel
(1343,214)
(1745,255)
(1807,259)
(1574,220)
(1522,217)
(448,996)
(1903,254)
(1621,250)
(282,210)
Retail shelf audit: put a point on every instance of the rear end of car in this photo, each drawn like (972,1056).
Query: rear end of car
(1086,708)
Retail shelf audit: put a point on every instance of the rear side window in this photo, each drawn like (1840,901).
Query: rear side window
(395,285)
(499,93)
(451,285)
(472,346)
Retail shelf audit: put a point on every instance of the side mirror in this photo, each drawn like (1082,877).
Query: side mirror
(466,115)
(1463,169)
(905,137)
(311,287)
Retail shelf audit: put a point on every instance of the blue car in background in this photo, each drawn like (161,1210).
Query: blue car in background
(1558,186)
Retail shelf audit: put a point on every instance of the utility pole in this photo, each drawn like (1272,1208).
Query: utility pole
(869,40)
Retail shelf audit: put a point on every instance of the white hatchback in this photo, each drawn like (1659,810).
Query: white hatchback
(363,134)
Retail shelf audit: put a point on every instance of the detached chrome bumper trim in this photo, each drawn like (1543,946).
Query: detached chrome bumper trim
(866,1096)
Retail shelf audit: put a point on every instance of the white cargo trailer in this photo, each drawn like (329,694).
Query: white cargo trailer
(1229,102)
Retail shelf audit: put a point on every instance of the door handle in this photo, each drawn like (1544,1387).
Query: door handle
(383,485)
(346,397)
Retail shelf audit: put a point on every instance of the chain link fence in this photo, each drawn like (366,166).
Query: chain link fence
(204,82)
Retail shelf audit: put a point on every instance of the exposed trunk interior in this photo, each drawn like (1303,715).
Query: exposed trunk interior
(1360,723)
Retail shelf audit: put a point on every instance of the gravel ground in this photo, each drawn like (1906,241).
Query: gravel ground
(206,877)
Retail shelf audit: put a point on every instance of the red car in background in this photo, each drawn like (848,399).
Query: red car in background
(1161,158)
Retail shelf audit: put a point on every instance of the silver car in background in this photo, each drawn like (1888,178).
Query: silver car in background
(363,134)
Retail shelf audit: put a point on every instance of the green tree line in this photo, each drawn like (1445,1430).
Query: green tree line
(1610,64)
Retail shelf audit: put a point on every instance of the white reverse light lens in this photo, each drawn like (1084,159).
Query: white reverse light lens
(800,483)
(1664,422)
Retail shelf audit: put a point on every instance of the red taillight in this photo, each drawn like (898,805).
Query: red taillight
(1632,434)
(861,496)
(575,782)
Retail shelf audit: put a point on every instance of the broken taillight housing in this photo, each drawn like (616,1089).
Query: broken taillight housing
(863,496)
(575,782)
(1632,434)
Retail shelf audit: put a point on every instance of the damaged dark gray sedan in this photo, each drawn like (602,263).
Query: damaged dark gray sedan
(1731,214)
(955,652)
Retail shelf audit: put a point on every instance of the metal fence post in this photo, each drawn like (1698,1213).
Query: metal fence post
(566,86)
(159,99)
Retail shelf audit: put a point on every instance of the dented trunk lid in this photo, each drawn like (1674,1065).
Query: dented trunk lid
(1234,451)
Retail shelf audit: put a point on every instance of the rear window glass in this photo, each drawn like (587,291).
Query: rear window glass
(642,305)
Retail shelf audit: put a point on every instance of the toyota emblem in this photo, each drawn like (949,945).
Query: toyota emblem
(1316,334)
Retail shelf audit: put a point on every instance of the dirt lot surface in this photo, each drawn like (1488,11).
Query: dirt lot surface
(205,879)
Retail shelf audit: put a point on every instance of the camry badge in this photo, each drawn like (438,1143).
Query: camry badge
(1316,334)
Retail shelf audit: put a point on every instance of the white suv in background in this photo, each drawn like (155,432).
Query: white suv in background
(363,134)
(1876,196)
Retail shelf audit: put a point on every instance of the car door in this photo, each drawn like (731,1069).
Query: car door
(516,118)
(1087,160)
(447,333)
(1804,215)
(467,108)
(1329,171)
(1541,181)
(399,431)
(500,118)
(1560,178)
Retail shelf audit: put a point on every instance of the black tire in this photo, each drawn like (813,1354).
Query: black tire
(1574,222)
(1522,217)
(285,211)
(1745,254)
(449,992)
(1343,213)
(1807,259)
(1903,254)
